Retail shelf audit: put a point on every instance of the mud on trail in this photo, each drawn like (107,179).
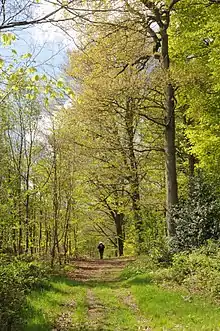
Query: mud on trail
(105,270)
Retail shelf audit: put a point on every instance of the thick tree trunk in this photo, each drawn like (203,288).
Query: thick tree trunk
(170,152)
(119,231)
(170,149)
(137,216)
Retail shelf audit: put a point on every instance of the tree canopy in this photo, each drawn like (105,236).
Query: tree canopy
(116,148)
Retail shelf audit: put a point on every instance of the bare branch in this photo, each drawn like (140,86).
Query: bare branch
(152,119)
(107,236)
(44,19)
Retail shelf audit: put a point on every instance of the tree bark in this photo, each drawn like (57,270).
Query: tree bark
(55,245)
(66,229)
(119,232)
(134,177)
(170,152)
(170,130)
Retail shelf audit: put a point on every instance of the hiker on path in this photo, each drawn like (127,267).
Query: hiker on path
(101,248)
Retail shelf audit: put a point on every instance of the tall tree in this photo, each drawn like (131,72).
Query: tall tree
(117,104)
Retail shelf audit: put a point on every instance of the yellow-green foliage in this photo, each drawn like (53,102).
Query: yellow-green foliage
(16,279)
(199,270)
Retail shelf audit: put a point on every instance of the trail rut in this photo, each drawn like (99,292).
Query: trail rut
(104,296)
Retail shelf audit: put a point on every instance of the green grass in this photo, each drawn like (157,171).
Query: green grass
(157,307)
(45,306)
(174,310)
(118,316)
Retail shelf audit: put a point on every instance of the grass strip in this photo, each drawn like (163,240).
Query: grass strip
(173,310)
(46,306)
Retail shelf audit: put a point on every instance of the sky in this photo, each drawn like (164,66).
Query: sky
(47,43)
(47,46)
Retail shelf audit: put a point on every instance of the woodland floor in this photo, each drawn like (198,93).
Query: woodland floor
(93,297)
(105,274)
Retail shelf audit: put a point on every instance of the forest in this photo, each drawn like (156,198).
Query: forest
(123,147)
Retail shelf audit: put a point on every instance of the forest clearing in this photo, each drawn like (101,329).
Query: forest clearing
(109,146)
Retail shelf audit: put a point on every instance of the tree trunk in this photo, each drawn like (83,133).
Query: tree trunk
(1,238)
(40,232)
(14,241)
(27,221)
(75,240)
(66,229)
(134,177)
(170,149)
(55,245)
(119,231)
(191,158)
(47,240)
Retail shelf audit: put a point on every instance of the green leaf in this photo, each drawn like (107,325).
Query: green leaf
(1,63)
(26,56)
(60,83)
(36,78)
(44,78)
(31,70)
(70,92)
(7,38)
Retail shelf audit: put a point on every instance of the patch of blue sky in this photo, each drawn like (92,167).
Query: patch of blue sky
(47,44)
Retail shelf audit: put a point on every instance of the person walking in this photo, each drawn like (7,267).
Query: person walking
(101,248)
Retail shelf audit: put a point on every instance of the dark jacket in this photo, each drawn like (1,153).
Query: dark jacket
(101,247)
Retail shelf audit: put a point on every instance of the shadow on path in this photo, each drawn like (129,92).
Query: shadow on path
(102,271)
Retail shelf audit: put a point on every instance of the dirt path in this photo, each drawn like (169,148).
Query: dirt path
(98,270)
(108,305)
(93,297)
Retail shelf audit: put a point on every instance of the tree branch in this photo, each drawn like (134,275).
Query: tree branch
(152,119)
(107,236)
(172,4)
(44,19)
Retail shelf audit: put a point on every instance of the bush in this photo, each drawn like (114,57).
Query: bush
(16,279)
(198,270)
(197,218)
(142,265)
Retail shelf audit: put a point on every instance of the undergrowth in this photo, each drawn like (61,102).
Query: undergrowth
(196,271)
(17,278)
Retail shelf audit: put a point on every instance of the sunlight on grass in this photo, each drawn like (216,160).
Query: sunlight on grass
(168,310)
(45,306)
(118,316)
(150,305)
